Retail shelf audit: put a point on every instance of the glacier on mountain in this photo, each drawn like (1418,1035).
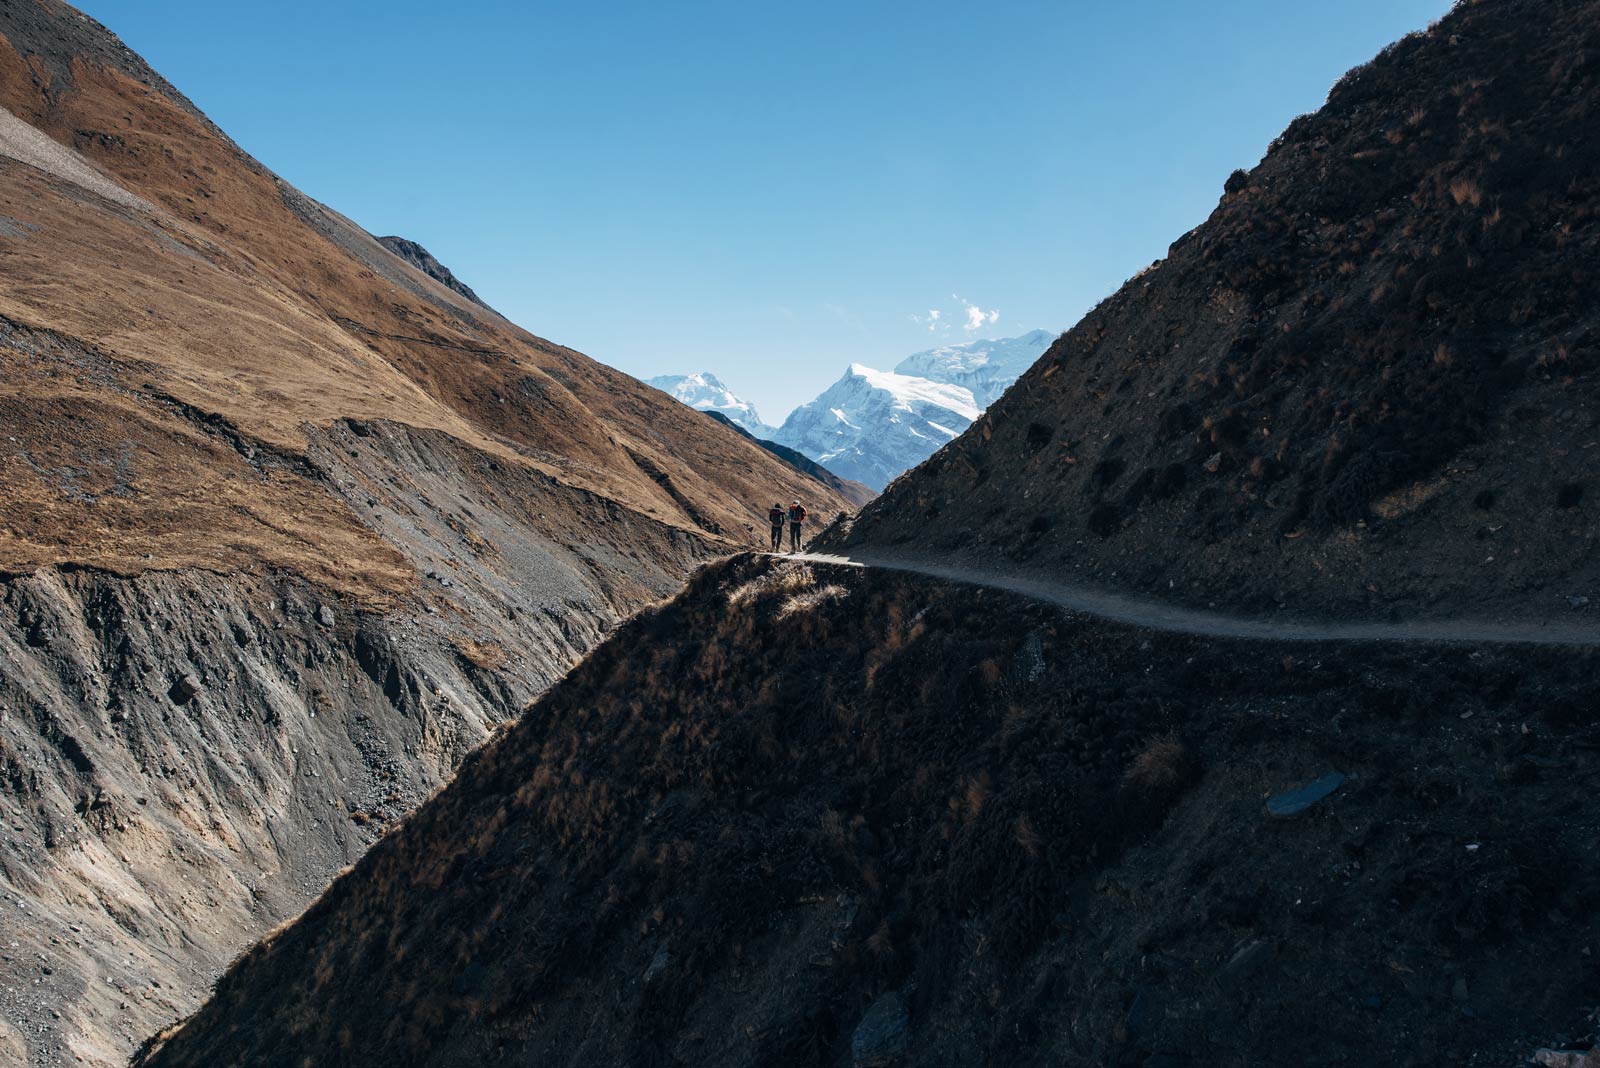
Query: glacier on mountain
(987,368)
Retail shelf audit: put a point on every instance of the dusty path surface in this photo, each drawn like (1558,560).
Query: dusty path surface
(1154,615)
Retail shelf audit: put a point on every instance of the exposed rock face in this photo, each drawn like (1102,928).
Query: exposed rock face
(192,757)
(807,816)
(1366,384)
(423,260)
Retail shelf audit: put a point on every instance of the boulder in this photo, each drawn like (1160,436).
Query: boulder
(1293,802)
(1567,1058)
(185,689)
(883,1034)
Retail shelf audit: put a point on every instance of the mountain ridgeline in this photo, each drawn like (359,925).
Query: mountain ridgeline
(1365,385)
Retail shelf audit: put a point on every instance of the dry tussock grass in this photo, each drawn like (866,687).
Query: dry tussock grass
(1160,767)
(811,600)
(1464,190)
(480,654)
(785,581)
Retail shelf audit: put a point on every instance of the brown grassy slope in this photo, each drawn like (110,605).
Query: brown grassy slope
(237,297)
(756,810)
(1366,382)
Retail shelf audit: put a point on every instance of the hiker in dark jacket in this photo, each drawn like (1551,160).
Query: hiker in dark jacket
(797,518)
(775,517)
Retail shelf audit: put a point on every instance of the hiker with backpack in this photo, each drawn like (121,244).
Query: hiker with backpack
(775,517)
(797,518)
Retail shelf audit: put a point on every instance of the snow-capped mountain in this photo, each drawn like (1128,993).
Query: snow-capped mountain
(871,425)
(703,391)
(987,368)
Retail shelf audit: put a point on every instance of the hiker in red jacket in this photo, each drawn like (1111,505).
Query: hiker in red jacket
(775,517)
(797,518)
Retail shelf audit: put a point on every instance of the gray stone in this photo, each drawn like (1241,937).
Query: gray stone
(185,689)
(325,615)
(882,1036)
(1246,959)
(1293,802)
(1567,1058)
(658,964)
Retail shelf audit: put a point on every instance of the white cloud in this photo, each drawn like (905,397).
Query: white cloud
(969,315)
(978,318)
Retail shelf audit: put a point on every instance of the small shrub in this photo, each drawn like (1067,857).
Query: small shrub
(1161,767)
(1464,190)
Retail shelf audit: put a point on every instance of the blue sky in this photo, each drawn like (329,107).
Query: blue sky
(766,191)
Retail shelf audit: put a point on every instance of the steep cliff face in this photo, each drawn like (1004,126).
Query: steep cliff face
(817,816)
(1365,384)
(223,408)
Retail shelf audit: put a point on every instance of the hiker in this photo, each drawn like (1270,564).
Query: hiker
(775,517)
(797,518)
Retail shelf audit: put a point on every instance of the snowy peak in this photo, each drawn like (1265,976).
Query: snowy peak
(908,391)
(986,367)
(706,392)
(871,425)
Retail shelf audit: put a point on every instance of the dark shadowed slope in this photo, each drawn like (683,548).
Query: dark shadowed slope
(1365,385)
(808,813)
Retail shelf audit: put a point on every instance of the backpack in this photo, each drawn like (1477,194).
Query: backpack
(797,514)
(775,516)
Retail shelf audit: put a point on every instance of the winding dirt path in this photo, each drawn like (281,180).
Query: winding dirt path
(1154,615)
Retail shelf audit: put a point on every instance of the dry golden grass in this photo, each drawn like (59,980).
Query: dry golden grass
(786,580)
(1464,190)
(225,300)
(484,655)
(811,600)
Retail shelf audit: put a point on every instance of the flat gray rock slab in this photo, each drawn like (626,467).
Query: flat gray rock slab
(1293,802)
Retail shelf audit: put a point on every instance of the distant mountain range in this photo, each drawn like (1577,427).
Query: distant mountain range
(705,392)
(985,368)
(871,425)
